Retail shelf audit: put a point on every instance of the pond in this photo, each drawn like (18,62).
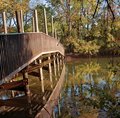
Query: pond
(91,89)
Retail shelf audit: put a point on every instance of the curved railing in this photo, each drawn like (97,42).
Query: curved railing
(19,50)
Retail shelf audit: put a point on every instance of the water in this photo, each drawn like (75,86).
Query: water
(16,104)
(91,89)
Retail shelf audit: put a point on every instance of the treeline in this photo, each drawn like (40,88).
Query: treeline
(86,27)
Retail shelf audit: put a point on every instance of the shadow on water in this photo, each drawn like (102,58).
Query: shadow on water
(91,90)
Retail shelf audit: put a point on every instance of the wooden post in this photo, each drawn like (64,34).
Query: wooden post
(36,21)
(60,59)
(54,62)
(58,64)
(25,77)
(18,19)
(45,18)
(50,71)
(4,22)
(22,24)
(55,35)
(41,76)
(33,24)
(52,27)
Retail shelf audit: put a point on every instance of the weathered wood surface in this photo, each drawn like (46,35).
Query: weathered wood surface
(19,50)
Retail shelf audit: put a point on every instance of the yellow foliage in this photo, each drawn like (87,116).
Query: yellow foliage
(14,5)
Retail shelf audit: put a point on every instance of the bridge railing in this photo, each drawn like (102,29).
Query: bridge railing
(19,50)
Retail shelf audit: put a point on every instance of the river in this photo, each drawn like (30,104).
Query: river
(91,89)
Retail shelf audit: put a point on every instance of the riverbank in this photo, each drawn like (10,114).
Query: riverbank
(76,57)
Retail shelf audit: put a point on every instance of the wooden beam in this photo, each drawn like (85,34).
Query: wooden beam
(40,65)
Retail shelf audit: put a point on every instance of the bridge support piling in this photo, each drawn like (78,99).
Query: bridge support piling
(41,76)
(54,64)
(50,70)
(58,64)
(25,77)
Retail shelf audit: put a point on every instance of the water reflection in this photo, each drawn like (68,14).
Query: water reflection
(91,90)
(10,94)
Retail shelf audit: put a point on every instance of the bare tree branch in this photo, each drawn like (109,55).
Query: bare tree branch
(110,10)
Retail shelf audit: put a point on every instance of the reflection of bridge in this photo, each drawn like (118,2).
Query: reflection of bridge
(22,54)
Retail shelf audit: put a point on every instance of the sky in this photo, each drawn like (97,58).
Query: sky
(33,3)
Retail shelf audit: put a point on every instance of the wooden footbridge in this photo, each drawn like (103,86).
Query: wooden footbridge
(24,53)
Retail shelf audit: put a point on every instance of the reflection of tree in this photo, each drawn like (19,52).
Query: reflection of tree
(93,85)
(104,97)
